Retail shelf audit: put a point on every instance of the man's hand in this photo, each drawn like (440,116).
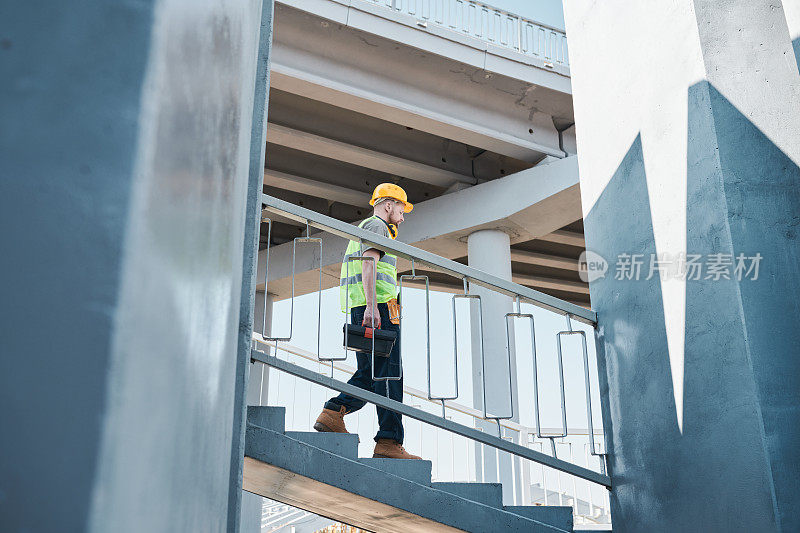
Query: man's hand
(372,318)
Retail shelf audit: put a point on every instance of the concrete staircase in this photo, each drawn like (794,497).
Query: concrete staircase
(322,473)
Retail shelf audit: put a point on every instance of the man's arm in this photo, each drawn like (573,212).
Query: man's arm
(372,318)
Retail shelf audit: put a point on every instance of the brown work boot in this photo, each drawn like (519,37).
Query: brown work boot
(330,421)
(391,449)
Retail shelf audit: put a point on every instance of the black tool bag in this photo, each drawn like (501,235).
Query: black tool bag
(359,338)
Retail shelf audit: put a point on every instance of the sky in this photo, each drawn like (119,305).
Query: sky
(549,12)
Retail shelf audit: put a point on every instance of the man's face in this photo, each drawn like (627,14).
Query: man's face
(396,212)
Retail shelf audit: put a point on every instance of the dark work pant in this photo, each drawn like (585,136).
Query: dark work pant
(390,425)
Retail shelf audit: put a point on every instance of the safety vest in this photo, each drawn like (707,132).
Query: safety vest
(350,281)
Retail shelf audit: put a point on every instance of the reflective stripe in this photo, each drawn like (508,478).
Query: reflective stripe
(379,276)
(388,259)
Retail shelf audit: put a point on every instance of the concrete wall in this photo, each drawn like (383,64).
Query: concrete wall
(687,143)
(125,147)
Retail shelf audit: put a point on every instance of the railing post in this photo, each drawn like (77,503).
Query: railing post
(412,277)
(296,240)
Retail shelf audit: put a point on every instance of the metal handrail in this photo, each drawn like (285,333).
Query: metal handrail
(431,260)
(422,395)
(468,275)
(428,418)
(582,335)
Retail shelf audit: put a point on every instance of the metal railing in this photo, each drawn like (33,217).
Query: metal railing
(488,24)
(469,276)
(535,485)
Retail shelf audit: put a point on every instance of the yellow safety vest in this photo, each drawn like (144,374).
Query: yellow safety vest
(350,281)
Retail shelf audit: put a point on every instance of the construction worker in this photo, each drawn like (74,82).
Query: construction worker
(369,290)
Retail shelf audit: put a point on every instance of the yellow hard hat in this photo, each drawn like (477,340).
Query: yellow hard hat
(390,190)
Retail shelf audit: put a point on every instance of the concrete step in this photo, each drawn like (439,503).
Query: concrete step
(416,470)
(344,444)
(267,417)
(360,493)
(486,493)
(555,515)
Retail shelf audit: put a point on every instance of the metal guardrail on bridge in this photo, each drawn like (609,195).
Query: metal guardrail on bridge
(488,24)
(470,276)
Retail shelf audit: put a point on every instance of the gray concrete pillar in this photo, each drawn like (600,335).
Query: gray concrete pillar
(688,148)
(124,161)
(490,251)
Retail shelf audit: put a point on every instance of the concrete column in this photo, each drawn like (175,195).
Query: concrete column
(125,214)
(490,251)
(688,148)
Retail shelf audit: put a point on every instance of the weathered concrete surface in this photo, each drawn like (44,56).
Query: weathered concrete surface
(691,149)
(124,163)
(70,120)
(525,205)
(792,11)
(173,378)
(315,472)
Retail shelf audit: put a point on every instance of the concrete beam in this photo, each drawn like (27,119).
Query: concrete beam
(526,205)
(446,95)
(487,135)
(570,238)
(363,157)
(457,288)
(545,283)
(312,187)
(540,259)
